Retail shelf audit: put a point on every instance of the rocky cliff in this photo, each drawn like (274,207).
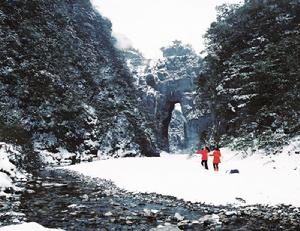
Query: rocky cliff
(165,83)
(65,91)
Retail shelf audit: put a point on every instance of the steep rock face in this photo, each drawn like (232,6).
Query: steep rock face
(167,82)
(63,84)
(179,91)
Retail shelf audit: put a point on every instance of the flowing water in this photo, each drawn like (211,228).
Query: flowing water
(62,199)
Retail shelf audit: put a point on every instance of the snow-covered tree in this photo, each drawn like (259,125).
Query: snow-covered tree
(252,71)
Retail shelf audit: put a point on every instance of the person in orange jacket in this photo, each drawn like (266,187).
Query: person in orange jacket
(217,158)
(204,153)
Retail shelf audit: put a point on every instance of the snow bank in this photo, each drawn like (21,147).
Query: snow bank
(5,181)
(8,171)
(61,157)
(272,179)
(27,227)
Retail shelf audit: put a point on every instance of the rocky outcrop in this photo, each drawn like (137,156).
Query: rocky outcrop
(168,82)
(178,91)
(63,83)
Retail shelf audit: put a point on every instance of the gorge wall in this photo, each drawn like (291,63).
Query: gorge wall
(64,90)
(251,73)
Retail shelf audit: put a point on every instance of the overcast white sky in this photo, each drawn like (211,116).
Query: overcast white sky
(152,24)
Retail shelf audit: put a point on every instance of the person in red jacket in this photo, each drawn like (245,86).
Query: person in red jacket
(204,153)
(217,158)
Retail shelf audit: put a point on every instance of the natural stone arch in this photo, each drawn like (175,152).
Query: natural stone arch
(170,95)
(170,105)
(180,91)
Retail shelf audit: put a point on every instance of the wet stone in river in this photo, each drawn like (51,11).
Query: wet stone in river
(60,199)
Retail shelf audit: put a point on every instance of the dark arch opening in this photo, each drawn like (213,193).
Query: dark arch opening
(177,130)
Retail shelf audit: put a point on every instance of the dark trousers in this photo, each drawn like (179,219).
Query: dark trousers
(216,166)
(204,163)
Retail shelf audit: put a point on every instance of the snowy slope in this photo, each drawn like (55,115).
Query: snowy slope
(262,179)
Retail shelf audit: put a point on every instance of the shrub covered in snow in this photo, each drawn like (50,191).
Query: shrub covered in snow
(10,157)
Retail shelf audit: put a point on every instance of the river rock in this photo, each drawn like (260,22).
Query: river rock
(178,217)
(108,214)
(210,219)
(230,213)
(166,228)
(183,224)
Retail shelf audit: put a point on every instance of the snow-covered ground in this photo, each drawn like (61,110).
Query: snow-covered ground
(27,227)
(272,179)
(8,171)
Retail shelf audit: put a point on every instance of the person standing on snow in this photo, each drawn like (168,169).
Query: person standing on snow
(217,158)
(204,152)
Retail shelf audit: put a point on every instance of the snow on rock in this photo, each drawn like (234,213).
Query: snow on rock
(166,227)
(178,217)
(32,226)
(60,157)
(8,171)
(262,179)
(5,181)
(213,218)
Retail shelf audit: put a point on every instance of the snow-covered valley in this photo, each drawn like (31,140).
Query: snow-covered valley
(95,135)
(126,193)
(262,179)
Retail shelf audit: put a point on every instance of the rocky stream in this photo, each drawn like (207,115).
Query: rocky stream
(62,199)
